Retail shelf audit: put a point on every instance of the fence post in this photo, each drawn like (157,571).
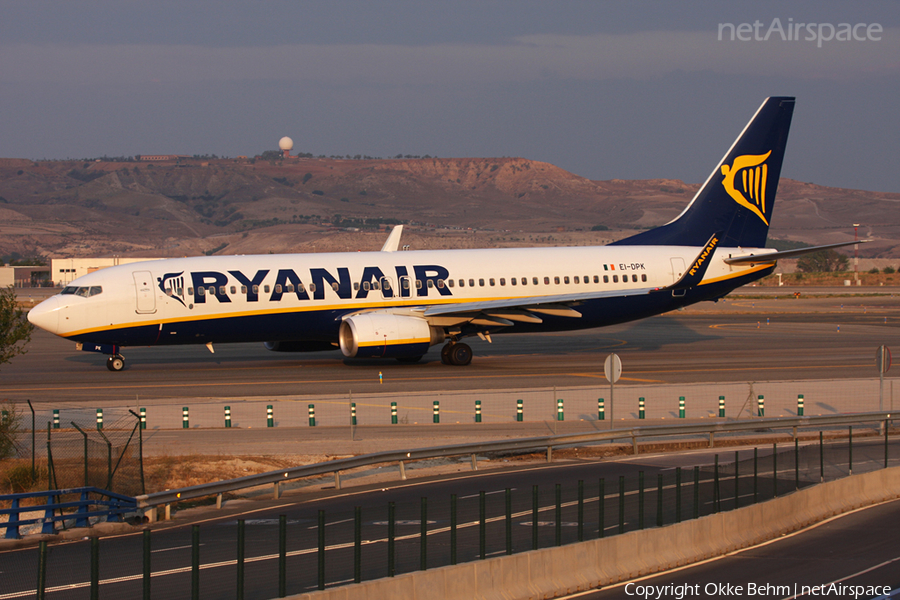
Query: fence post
(99,419)
(436,411)
(520,410)
(452,529)
(270,416)
(678,494)
(558,514)
(640,499)
(580,510)
(560,410)
(146,563)
(641,407)
(42,569)
(55,418)
(601,506)
(240,559)
(357,544)
(390,538)
(621,504)
(799,405)
(850,450)
(760,406)
(95,568)
(312,415)
(601,409)
(393,413)
(321,553)
(680,407)
(659,500)
(227,416)
(508,497)
(696,492)
(721,406)
(195,562)
(185,418)
(143,418)
(534,517)
(282,556)
(423,534)
(482,525)
(478,411)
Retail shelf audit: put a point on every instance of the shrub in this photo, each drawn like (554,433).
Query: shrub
(889,270)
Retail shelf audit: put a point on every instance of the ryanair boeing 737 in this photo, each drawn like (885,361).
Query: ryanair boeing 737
(398,304)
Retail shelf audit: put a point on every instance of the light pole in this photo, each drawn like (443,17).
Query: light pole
(856,251)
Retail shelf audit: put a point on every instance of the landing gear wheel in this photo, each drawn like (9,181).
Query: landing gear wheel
(460,354)
(445,354)
(115,363)
(409,359)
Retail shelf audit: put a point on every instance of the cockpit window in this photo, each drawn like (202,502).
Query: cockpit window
(84,292)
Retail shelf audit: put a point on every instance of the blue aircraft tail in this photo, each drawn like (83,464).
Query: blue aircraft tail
(738,196)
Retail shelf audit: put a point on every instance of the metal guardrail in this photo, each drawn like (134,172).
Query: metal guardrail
(276,478)
(113,508)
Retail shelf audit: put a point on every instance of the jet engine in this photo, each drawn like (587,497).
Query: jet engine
(385,335)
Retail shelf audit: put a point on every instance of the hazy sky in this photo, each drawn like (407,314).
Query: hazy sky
(603,89)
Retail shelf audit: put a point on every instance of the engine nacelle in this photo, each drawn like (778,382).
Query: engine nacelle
(299,346)
(383,335)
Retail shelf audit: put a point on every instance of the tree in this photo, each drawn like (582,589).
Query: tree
(823,261)
(15,330)
(10,424)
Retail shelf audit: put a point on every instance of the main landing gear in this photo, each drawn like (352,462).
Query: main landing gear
(456,353)
(115,362)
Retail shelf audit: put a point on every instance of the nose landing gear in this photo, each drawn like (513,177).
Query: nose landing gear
(115,362)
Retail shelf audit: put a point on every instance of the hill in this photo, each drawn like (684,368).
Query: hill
(189,206)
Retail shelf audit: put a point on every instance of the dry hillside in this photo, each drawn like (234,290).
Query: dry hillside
(238,206)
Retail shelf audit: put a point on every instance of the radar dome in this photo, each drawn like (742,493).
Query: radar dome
(286,143)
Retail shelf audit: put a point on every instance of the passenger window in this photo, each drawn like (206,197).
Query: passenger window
(643,277)
(356,286)
(502,281)
(335,286)
(566,279)
(366,286)
(265,289)
(180,291)
(212,291)
(491,281)
(405,284)
(255,289)
(615,279)
(481,282)
(472,283)
(525,281)
(441,283)
(375,286)
(462,283)
(576,280)
(596,279)
(450,282)
(289,288)
(556,280)
(634,278)
(312,287)
(201,291)
(430,283)
(233,290)
(534,280)
(191,291)
(278,288)
(169,292)
(300,287)
(418,284)
(546,281)
(512,280)
(606,279)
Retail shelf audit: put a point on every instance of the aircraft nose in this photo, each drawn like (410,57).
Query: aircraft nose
(46,315)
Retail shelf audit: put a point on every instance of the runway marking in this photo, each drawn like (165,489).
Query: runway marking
(598,376)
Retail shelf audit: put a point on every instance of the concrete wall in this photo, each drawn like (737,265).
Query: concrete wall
(557,571)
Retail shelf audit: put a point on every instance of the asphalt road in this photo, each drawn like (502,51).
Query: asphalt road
(120,556)
(735,340)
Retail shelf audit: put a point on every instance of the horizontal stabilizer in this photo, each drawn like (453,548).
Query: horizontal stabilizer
(773,256)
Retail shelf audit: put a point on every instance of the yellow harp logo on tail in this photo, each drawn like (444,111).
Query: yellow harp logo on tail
(752,193)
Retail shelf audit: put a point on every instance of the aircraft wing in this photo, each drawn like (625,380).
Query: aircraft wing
(508,311)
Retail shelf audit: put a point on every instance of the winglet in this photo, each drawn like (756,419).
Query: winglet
(393,241)
(694,274)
